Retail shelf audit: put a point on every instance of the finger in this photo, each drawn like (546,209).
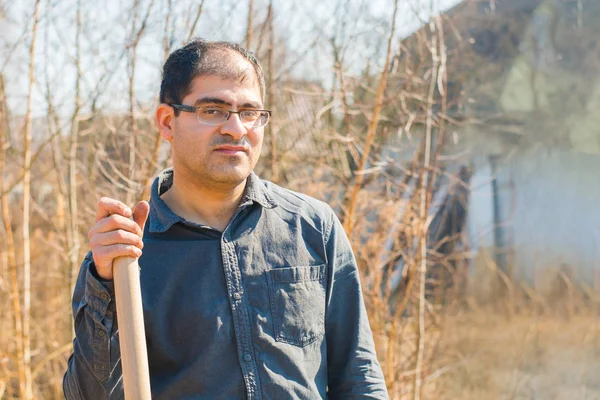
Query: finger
(116,237)
(123,250)
(118,250)
(107,206)
(113,223)
(140,213)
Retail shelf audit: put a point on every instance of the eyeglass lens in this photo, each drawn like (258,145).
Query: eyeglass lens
(217,116)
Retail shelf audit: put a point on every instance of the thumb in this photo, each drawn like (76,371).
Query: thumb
(140,213)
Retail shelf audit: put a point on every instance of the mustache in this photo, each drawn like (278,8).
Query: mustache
(224,141)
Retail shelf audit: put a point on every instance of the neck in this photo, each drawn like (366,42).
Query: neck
(201,203)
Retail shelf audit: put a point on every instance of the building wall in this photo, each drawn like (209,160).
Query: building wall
(548,209)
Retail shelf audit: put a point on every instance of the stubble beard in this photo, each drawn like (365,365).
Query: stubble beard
(227,172)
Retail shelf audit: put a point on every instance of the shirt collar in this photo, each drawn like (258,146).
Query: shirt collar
(161,217)
(257,192)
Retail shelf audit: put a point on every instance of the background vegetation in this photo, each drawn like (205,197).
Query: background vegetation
(373,110)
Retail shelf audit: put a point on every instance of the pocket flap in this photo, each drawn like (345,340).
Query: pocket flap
(297,274)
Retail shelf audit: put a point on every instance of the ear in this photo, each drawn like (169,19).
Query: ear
(165,117)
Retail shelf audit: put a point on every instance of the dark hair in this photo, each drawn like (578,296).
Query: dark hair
(202,58)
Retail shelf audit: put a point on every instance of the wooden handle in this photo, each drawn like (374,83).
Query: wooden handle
(132,337)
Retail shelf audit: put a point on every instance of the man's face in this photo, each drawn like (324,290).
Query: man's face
(223,154)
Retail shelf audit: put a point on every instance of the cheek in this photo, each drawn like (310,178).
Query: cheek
(257,139)
(196,139)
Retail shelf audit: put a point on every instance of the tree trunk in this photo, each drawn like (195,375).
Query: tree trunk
(271,96)
(73,231)
(10,244)
(132,165)
(423,210)
(28,386)
(151,166)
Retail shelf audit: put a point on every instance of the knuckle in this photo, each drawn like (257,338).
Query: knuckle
(120,235)
(113,220)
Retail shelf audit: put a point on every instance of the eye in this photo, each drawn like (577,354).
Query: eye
(249,115)
(211,113)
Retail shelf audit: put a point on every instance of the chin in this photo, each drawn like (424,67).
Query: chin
(231,175)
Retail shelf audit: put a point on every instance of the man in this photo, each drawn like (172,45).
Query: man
(249,290)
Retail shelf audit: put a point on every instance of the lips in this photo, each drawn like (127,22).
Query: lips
(231,150)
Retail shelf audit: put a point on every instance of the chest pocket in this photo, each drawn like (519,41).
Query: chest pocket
(297,297)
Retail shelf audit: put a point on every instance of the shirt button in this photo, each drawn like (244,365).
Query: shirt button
(101,333)
(104,296)
(247,357)
(237,296)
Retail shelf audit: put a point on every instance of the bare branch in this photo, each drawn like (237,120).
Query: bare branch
(249,27)
(196,19)
(349,217)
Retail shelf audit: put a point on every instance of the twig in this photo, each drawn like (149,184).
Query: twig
(196,19)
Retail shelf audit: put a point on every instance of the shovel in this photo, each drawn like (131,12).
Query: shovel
(132,337)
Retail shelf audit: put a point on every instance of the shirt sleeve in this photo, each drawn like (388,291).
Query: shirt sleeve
(94,369)
(353,369)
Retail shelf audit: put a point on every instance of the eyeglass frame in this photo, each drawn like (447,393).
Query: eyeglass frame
(194,109)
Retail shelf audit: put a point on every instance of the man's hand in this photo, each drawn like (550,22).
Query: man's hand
(115,234)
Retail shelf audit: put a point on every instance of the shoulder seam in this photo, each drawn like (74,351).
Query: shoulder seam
(275,189)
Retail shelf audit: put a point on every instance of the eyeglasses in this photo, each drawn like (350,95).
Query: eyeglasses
(210,115)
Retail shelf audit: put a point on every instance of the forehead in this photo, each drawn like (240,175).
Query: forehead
(226,73)
(233,91)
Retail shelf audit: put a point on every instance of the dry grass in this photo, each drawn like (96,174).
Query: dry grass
(488,356)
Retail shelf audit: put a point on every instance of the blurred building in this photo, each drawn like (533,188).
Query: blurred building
(528,79)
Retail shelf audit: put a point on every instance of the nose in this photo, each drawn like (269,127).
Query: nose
(234,127)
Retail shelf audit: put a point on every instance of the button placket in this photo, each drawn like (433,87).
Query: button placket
(241,319)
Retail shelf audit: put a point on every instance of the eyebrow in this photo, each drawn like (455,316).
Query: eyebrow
(216,100)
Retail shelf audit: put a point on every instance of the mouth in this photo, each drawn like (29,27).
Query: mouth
(231,150)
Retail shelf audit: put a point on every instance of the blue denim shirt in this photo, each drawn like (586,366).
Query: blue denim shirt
(270,308)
